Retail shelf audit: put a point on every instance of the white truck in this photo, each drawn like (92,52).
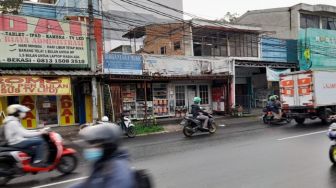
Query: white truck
(309,94)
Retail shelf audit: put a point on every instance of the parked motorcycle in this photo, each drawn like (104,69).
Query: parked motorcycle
(192,125)
(16,162)
(332,136)
(269,118)
(127,126)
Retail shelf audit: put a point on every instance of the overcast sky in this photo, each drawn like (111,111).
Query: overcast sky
(213,9)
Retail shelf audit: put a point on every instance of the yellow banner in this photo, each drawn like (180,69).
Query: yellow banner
(31,85)
(3,107)
(67,112)
(30,122)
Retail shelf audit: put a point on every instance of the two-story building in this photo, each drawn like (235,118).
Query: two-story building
(45,65)
(241,44)
(312,26)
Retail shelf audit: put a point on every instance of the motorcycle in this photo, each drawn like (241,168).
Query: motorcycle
(269,118)
(16,162)
(192,125)
(332,136)
(127,126)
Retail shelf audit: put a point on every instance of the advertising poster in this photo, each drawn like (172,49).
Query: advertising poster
(29,40)
(67,112)
(31,85)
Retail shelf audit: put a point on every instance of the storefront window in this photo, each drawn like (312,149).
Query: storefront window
(180,96)
(47,110)
(204,94)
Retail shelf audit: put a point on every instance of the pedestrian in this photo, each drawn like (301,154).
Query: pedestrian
(111,166)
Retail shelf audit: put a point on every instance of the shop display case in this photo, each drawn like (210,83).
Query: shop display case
(160,100)
(141,109)
(128,94)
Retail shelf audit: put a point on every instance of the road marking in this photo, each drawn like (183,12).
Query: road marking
(61,182)
(303,135)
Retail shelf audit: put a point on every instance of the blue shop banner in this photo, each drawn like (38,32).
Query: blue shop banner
(119,63)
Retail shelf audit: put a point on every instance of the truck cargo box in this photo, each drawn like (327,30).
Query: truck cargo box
(308,89)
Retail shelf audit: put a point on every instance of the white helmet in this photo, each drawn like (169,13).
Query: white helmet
(105,119)
(15,109)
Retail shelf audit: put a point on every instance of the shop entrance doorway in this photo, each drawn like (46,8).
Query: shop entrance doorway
(191,94)
(47,110)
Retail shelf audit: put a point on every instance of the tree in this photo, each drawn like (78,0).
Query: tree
(229,18)
(10,6)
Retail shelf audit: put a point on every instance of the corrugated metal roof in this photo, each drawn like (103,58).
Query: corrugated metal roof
(47,72)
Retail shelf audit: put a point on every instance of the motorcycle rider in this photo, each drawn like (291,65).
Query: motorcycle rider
(19,137)
(198,113)
(111,165)
(273,105)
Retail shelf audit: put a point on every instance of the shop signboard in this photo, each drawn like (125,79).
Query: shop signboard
(121,64)
(317,49)
(180,66)
(67,112)
(34,41)
(30,121)
(31,85)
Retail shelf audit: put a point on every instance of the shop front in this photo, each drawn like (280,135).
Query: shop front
(164,86)
(50,99)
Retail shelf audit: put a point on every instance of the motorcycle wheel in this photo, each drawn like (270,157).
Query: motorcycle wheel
(131,132)
(67,164)
(332,154)
(4,179)
(213,128)
(187,132)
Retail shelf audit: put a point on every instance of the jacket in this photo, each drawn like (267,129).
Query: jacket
(15,133)
(114,172)
(196,110)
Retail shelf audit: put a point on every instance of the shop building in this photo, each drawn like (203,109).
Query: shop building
(164,86)
(46,70)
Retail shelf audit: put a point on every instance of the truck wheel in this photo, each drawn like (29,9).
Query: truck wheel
(300,121)
(326,118)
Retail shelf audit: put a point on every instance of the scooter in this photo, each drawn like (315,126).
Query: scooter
(332,136)
(192,125)
(127,126)
(15,162)
(269,118)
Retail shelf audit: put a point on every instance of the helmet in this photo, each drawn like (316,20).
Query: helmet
(101,134)
(105,119)
(15,109)
(197,100)
(272,98)
(276,96)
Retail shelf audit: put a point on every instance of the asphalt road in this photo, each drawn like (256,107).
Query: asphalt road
(242,155)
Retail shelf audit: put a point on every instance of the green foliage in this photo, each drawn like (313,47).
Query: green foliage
(229,18)
(141,128)
(10,6)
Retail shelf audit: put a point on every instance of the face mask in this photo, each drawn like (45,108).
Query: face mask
(22,115)
(93,154)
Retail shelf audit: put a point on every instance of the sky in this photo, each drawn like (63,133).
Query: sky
(215,9)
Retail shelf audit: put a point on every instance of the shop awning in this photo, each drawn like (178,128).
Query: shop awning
(47,72)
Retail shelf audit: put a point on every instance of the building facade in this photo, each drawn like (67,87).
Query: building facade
(247,46)
(311,26)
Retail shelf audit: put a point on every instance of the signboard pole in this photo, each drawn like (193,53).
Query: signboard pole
(93,61)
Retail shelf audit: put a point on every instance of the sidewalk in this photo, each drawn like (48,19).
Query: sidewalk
(173,124)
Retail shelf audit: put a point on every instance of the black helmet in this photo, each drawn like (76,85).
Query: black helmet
(101,134)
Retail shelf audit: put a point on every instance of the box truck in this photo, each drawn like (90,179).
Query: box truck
(309,94)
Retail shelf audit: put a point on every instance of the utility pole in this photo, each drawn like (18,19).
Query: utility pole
(93,61)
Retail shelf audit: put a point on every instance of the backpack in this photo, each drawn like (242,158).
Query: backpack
(142,179)
(3,140)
